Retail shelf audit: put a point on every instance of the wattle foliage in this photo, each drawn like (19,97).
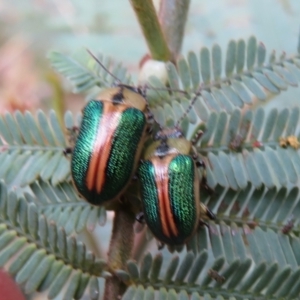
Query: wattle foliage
(254,245)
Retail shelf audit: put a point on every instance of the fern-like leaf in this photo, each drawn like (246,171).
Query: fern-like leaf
(238,87)
(84,72)
(265,276)
(246,77)
(42,256)
(246,148)
(32,148)
(62,205)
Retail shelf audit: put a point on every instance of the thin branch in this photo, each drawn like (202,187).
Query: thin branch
(172,17)
(147,17)
(119,251)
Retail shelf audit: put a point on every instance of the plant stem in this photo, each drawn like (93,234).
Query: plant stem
(147,17)
(119,251)
(58,95)
(172,17)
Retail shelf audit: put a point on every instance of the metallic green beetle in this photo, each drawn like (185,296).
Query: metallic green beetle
(170,186)
(109,143)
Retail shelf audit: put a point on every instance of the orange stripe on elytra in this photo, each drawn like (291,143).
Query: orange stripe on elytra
(169,227)
(102,146)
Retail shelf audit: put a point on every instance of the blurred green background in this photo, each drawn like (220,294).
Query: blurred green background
(29,29)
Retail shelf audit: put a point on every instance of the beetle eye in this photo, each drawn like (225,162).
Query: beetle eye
(118,97)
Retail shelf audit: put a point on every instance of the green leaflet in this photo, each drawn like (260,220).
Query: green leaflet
(247,75)
(41,251)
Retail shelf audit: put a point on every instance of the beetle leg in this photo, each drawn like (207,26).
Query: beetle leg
(197,137)
(199,162)
(72,133)
(205,211)
(149,130)
(204,185)
(203,223)
(68,151)
(140,217)
(142,90)
(150,121)
(149,117)
(210,214)
(160,245)
(73,130)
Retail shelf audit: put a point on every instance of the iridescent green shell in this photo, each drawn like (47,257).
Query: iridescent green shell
(170,197)
(107,150)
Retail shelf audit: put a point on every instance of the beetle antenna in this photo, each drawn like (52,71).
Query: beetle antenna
(101,64)
(188,109)
(147,86)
